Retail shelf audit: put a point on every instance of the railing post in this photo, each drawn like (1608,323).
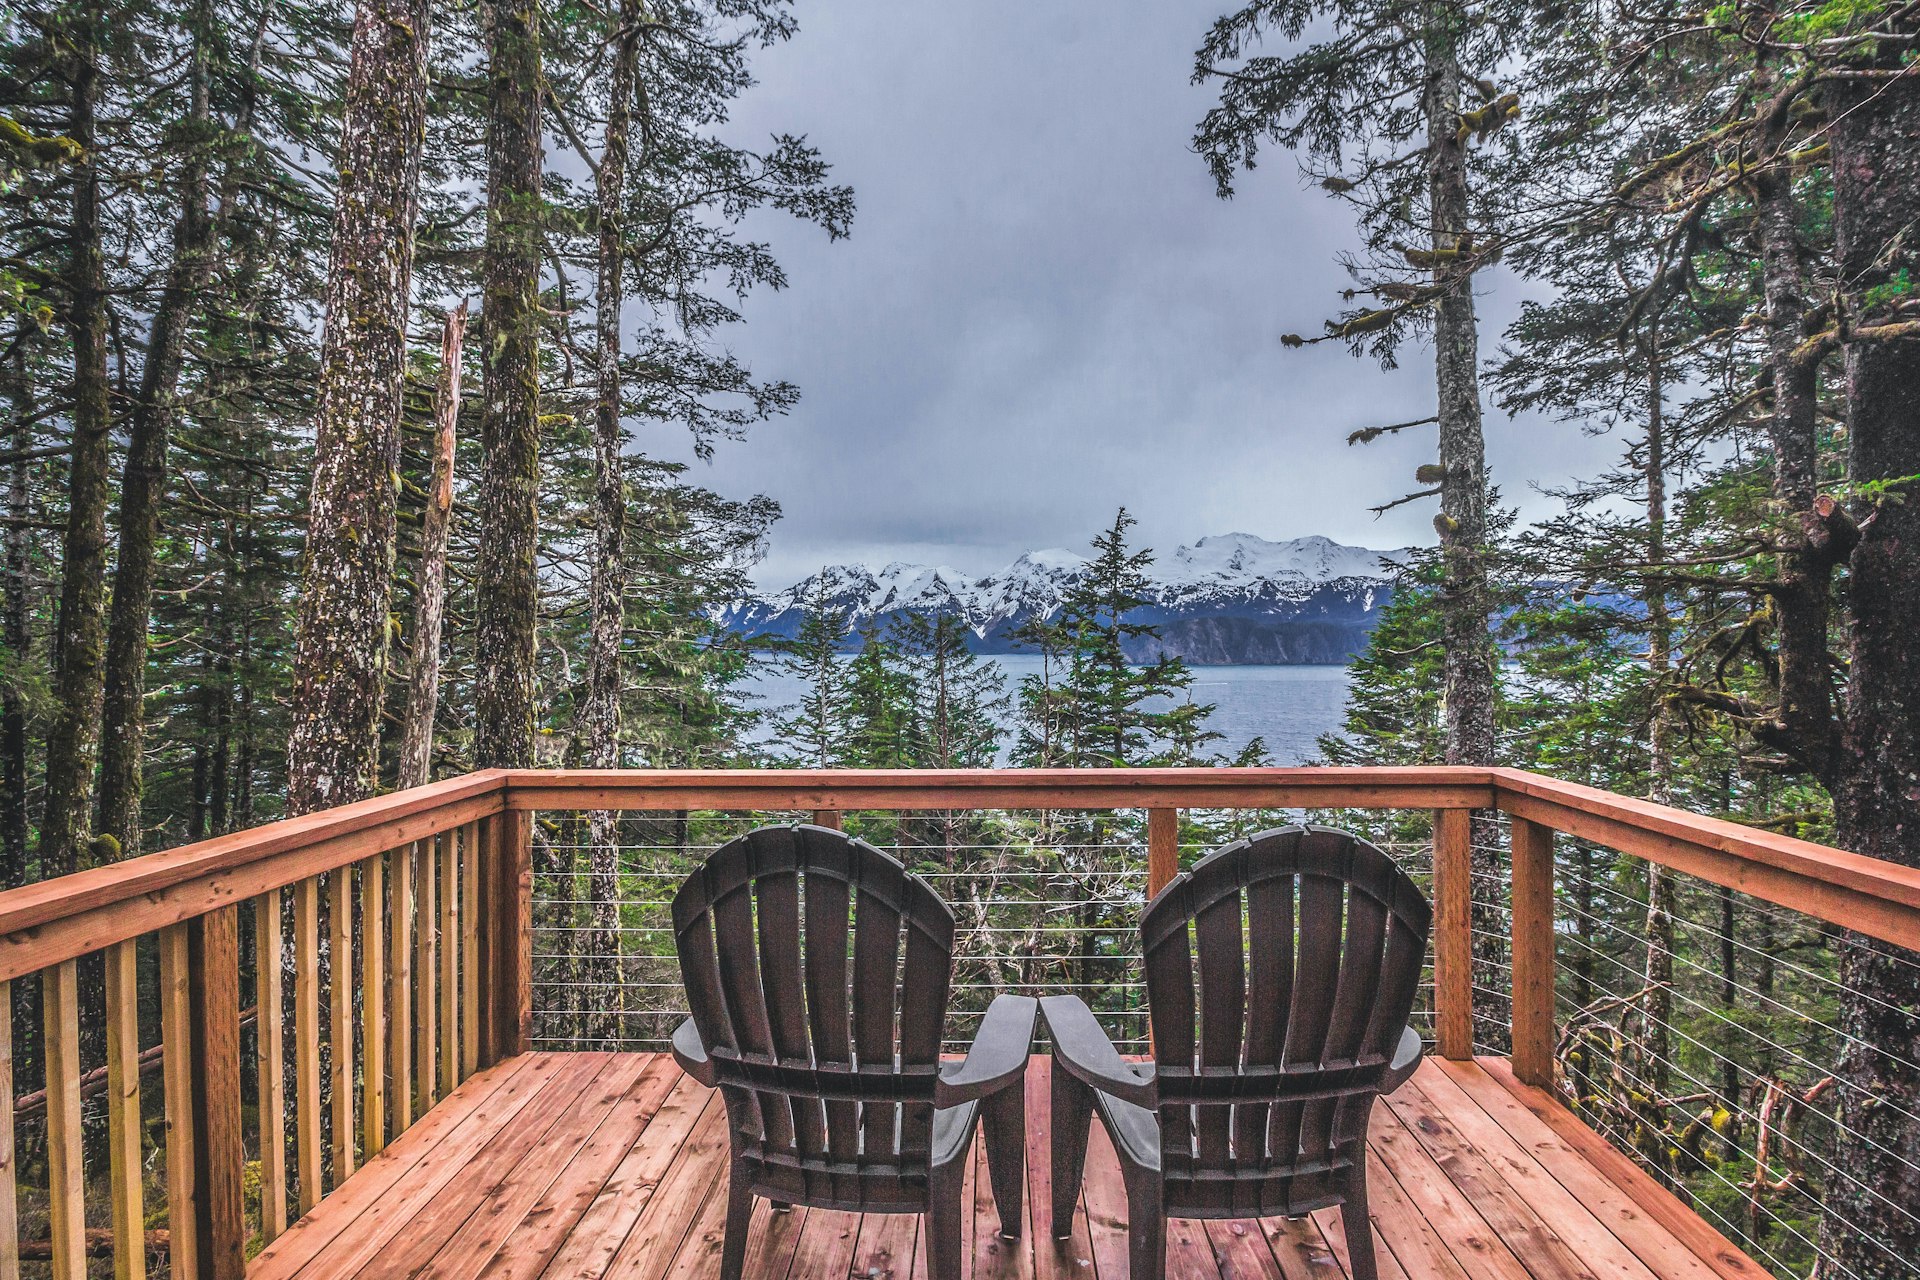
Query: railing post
(1453,932)
(829,818)
(1533,1031)
(506,935)
(1163,849)
(200,993)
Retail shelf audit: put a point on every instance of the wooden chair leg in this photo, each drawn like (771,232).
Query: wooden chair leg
(1146,1226)
(1359,1227)
(1004,1126)
(945,1215)
(1072,1115)
(733,1256)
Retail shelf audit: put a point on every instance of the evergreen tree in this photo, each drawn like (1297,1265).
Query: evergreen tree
(812,734)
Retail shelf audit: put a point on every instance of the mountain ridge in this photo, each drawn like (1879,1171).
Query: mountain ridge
(1227,599)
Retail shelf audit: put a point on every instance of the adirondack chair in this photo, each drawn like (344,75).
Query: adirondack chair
(835,1093)
(1280,974)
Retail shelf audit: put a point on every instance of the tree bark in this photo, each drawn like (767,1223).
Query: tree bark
(346,580)
(1468,669)
(430,601)
(1876,156)
(1658,973)
(506,579)
(143,481)
(600,708)
(1804,722)
(73,737)
(15,635)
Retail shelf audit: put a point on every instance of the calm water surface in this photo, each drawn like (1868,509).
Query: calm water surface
(1290,707)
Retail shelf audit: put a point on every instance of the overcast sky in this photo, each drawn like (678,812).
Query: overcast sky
(1044,312)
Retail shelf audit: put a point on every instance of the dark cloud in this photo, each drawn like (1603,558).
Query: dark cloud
(1044,312)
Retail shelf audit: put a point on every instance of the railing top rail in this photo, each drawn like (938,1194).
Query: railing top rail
(1434,787)
(57,919)
(1871,895)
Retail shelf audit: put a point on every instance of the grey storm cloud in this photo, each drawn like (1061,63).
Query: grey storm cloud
(1044,312)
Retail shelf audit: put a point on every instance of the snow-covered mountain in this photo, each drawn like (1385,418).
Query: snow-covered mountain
(1233,598)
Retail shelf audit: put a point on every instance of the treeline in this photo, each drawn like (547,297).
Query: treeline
(1708,214)
(338,343)
(277,527)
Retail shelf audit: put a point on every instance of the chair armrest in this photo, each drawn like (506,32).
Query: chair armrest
(1080,1046)
(691,1054)
(998,1056)
(1406,1061)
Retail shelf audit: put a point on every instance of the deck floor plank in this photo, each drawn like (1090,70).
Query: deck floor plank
(430,1227)
(1577,1153)
(554,1218)
(496,1220)
(592,1166)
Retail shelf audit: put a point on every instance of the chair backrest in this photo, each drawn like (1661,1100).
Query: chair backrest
(1280,973)
(817,970)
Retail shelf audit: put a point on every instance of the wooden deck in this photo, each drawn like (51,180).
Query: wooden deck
(588,1165)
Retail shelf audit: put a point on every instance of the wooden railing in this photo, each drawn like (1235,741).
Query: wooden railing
(404,924)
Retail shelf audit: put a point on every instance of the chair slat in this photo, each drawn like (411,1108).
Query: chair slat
(828,938)
(1270,941)
(876,954)
(1219,936)
(777,908)
(746,1005)
(1170,1009)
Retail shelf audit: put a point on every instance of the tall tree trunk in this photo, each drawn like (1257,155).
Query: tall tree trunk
(430,600)
(143,482)
(1468,672)
(1876,150)
(15,636)
(73,738)
(346,580)
(600,709)
(505,577)
(1800,598)
(1658,975)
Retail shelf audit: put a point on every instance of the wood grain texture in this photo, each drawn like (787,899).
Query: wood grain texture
(270,1062)
(9,1171)
(373,1004)
(400,925)
(306,1041)
(470,983)
(66,1179)
(1533,947)
(123,1112)
(340,1020)
(1163,848)
(1452,933)
(219,1144)
(176,1028)
(426,972)
(448,977)
(574,1166)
